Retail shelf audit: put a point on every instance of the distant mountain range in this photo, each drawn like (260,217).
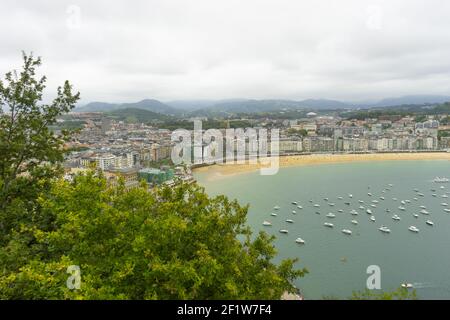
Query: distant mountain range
(232,106)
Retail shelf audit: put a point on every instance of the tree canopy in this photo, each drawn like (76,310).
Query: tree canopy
(165,243)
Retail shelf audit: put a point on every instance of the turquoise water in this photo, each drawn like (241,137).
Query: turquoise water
(422,259)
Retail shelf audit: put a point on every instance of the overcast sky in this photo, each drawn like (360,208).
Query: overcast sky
(212,49)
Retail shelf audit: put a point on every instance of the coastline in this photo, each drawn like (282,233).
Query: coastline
(224,170)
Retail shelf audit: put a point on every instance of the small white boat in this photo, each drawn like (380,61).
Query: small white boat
(422,207)
(429,222)
(421,194)
(413,229)
(340,210)
(276,208)
(447,210)
(294,203)
(407,286)
(434,195)
(374,201)
(442,187)
(369,194)
(361,208)
(372,218)
(415,215)
(354,212)
(388,210)
(267,224)
(408,201)
(403,202)
(384,229)
(300,241)
(390,185)
(369,211)
(350,196)
(373,205)
(445,204)
(273,214)
(340,198)
(354,222)
(329,225)
(402,208)
(346,231)
(441,180)
(317,205)
(424,212)
(284,231)
(294,212)
(395,199)
(382,198)
(325,199)
(415,199)
(289,221)
(331,215)
(360,201)
(317,212)
(416,190)
(396,217)
(331,204)
(300,207)
(444,196)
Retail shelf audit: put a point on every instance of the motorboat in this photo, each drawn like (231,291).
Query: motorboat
(395,199)
(447,210)
(403,202)
(369,211)
(300,241)
(396,217)
(413,229)
(354,222)
(360,201)
(340,198)
(382,198)
(415,199)
(384,229)
(346,231)
(373,205)
(331,215)
(361,208)
(325,199)
(300,207)
(267,224)
(276,208)
(369,194)
(375,201)
(294,203)
(422,207)
(317,212)
(421,194)
(340,210)
(289,221)
(331,204)
(273,214)
(424,212)
(444,196)
(347,203)
(429,222)
(372,218)
(329,225)
(317,206)
(350,196)
(441,180)
(354,212)
(284,231)
(402,208)
(415,215)
(434,195)
(294,212)
(444,204)
(388,210)
(407,286)
(408,201)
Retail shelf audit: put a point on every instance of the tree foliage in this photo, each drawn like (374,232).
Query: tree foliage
(169,243)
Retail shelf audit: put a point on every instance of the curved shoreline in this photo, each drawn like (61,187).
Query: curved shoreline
(224,170)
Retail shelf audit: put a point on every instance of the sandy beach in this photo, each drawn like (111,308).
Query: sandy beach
(223,170)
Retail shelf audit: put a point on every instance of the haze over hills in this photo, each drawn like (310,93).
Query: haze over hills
(232,106)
